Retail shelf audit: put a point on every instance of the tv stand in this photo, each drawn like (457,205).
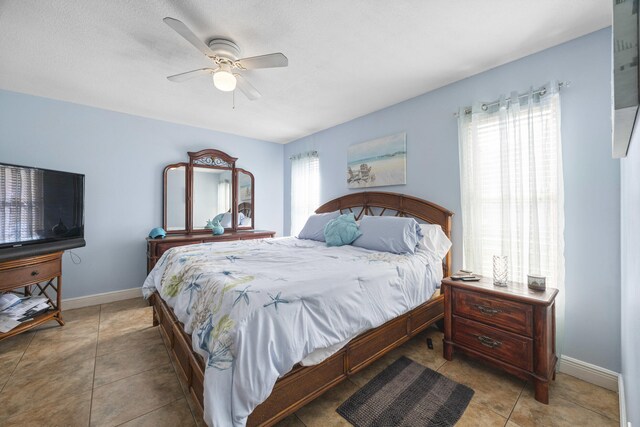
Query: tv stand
(35,275)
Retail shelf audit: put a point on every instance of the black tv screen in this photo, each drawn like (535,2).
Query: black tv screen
(40,210)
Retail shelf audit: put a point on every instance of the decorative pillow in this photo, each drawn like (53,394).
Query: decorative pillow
(314,228)
(341,231)
(389,234)
(435,241)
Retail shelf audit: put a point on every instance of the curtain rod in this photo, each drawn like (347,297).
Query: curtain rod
(313,153)
(540,91)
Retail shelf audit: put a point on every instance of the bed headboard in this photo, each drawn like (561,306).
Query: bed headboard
(394,204)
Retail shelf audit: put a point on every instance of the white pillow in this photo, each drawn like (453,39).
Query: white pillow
(434,241)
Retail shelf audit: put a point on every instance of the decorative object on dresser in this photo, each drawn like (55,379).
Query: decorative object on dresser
(512,328)
(304,383)
(500,270)
(537,283)
(34,276)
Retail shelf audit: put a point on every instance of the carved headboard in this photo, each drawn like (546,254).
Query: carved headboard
(394,204)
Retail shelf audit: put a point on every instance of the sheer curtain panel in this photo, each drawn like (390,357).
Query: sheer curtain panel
(305,188)
(512,187)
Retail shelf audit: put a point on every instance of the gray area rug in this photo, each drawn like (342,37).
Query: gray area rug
(407,394)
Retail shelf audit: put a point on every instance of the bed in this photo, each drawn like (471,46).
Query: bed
(293,384)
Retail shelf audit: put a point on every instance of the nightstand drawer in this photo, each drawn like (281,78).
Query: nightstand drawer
(29,274)
(505,346)
(509,315)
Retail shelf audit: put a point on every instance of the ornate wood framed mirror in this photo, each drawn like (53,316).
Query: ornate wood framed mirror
(206,189)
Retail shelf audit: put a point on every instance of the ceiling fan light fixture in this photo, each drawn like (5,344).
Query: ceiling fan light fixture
(224,80)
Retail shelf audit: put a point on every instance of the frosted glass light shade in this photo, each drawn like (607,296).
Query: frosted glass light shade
(224,80)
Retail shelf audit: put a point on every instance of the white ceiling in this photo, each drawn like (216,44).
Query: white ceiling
(347,58)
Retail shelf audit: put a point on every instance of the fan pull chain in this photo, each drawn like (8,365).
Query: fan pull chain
(234,100)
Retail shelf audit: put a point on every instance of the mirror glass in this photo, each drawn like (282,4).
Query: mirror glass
(211,196)
(245,199)
(175,198)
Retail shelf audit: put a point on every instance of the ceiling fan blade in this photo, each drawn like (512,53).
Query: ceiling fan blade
(264,61)
(187,34)
(177,78)
(247,88)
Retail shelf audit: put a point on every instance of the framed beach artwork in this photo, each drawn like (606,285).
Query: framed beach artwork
(378,162)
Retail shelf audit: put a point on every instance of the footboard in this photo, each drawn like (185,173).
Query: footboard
(303,383)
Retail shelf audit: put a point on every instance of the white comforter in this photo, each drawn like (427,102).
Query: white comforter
(255,308)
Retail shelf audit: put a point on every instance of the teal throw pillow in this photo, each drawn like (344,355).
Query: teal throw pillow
(341,231)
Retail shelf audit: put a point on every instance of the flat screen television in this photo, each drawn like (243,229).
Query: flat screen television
(41,211)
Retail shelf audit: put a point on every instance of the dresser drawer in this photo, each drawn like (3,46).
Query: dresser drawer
(509,315)
(505,346)
(29,274)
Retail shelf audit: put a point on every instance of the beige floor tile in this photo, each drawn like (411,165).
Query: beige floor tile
(11,351)
(416,349)
(477,415)
(493,388)
(66,410)
(50,348)
(131,397)
(291,421)
(125,317)
(322,411)
(124,305)
(176,414)
(559,412)
(44,385)
(598,399)
(114,366)
(111,343)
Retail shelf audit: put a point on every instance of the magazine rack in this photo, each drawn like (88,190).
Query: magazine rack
(37,275)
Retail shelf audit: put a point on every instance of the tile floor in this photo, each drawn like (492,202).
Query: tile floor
(108,366)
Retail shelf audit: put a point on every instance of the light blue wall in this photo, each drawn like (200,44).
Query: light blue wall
(630,303)
(122,157)
(592,181)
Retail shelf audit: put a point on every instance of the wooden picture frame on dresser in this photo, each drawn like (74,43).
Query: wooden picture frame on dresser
(512,328)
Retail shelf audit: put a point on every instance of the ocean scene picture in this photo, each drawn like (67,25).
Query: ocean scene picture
(378,162)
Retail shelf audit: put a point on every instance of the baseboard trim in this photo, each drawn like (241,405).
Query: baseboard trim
(622,401)
(590,373)
(103,298)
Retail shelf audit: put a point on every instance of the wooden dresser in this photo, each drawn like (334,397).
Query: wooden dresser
(156,247)
(512,328)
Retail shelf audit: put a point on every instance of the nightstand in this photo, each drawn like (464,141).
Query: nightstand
(512,328)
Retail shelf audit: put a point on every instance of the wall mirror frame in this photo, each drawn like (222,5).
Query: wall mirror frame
(208,186)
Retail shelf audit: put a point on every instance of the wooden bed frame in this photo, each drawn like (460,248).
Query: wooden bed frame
(304,383)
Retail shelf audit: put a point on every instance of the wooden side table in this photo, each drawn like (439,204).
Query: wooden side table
(512,328)
(38,275)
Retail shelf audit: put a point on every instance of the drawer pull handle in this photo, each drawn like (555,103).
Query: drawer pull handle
(488,310)
(35,273)
(488,342)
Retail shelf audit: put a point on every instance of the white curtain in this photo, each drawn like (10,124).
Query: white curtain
(305,188)
(224,196)
(512,188)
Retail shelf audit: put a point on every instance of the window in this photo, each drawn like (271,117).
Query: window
(305,188)
(512,187)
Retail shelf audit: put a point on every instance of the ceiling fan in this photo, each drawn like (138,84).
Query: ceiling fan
(225,55)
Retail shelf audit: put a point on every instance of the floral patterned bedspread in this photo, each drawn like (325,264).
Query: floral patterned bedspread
(255,308)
